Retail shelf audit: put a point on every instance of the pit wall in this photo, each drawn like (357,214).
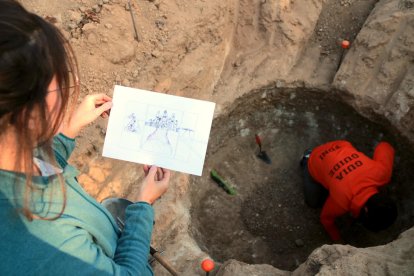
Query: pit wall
(377,74)
(264,43)
(376,77)
(395,258)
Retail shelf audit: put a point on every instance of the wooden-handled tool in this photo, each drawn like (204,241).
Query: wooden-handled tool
(262,154)
(154,253)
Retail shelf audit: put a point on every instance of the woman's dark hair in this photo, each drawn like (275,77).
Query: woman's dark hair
(378,213)
(32,53)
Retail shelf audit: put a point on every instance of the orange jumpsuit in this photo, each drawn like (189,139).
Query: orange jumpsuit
(350,176)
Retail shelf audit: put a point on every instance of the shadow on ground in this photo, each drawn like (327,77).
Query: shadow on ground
(268,221)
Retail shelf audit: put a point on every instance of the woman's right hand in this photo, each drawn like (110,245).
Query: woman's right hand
(89,110)
(155,184)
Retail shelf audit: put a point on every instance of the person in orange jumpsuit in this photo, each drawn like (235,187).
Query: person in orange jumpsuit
(343,180)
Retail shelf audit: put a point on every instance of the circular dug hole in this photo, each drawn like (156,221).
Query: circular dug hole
(268,221)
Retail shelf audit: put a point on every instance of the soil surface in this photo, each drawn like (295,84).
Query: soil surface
(340,20)
(268,221)
(219,50)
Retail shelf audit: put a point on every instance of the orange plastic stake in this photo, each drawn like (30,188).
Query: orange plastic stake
(207,265)
(345,44)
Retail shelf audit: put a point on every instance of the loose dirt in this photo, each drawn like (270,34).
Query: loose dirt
(219,50)
(268,221)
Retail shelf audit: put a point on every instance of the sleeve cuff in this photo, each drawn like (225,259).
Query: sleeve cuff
(63,136)
(145,205)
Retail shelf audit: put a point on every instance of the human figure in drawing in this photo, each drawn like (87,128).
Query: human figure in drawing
(131,131)
(132,123)
(165,132)
(163,124)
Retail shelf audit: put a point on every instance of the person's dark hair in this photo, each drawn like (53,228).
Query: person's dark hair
(378,213)
(32,53)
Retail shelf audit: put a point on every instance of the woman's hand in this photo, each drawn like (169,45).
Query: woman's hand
(88,111)
(155,184)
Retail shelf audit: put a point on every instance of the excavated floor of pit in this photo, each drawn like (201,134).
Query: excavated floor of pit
(268,221)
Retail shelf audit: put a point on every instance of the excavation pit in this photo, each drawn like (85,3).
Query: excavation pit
(268,220)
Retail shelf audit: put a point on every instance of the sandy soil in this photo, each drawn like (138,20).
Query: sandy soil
(268,221)
(219,51)
(186,49)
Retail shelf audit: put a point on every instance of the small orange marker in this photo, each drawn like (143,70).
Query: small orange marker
(345,44)
(207,265)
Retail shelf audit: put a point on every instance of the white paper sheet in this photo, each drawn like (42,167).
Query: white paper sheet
(158,129)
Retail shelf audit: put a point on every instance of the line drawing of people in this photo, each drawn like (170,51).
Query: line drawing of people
(132,123)
(163,124)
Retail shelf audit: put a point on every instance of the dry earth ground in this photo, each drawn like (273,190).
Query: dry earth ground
(221,50)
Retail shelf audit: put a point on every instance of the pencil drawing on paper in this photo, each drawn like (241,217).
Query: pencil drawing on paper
(164,123)
(164,132)
(132,123)
(131,130)
(154,128)
(160,130)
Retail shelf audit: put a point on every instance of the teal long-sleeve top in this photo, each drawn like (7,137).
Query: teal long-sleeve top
(84,240)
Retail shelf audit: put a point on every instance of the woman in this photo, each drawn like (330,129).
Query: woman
(48,224)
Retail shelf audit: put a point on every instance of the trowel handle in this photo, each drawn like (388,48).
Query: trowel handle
(163,262)
(258,141)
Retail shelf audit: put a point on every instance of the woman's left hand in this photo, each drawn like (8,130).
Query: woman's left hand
(88,111)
